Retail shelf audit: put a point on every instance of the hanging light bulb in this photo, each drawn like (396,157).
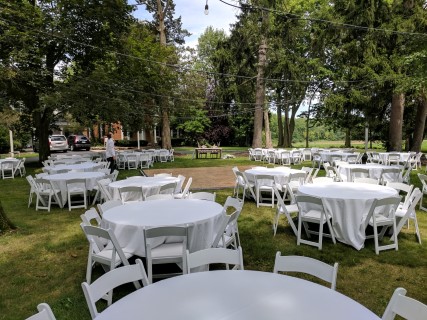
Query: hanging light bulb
(206,8)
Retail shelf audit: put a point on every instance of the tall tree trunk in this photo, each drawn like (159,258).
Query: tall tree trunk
(420,121)
(260,94)
(5,223)
(166,131)
(347,142)
(268,142)
(286,134)
(396,121)
(279,120)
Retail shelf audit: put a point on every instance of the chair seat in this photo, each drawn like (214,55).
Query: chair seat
(167,250)
(312,215)
(381,219)
(400,212)
(292,208)
(106,254)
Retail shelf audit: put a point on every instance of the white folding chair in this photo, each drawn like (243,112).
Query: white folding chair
(168,188)
(215,255)
(203,195)
(102,207)
(7,169)
(311,209)
(286,210)
(390,174)
(242,182)
(104,249)
(130,194)
(264,184)
(44,189)
(406,307)
(179,184)
(132,161)
(357,173)
(423,179)
(90,215)
(166,196)
(366,180)
(167,252)
(105,284)
(408,212)
(33,188)
(76,187)
(307,265)
(230,236)
(184,194)
(382,214)
(45,313)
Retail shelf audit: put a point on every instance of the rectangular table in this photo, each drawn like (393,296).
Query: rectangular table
(200,152)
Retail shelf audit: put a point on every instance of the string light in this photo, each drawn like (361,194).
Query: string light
(206,8)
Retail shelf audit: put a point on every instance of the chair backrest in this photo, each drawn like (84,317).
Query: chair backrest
(366,180)
(400,186)
(168,188)
(165,231)
(384,206)
(406,307)
(166,196)
(90,215)
(215,255)
(162,175)
(45,313)
(96,235)
(79,183)
(307,265)
(234,203)
(323,180)
(110,280)
(203,195)
(390,174)
(264,180)
(186,190)
(179,184)
(306,203)
(131,193)
(102,207)
(358,173)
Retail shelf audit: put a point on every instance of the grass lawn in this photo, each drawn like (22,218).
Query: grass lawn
(44,259)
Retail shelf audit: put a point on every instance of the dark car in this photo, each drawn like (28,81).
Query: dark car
(78,142)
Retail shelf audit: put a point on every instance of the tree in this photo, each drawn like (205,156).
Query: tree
(39,40)
(170,32)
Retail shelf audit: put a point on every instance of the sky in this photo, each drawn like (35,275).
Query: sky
(193,18)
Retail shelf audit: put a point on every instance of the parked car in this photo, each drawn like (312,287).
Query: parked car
(78,142)
(57,142)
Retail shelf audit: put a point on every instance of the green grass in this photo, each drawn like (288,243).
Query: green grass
(44,260)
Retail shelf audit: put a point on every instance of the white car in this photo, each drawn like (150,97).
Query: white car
(58,142)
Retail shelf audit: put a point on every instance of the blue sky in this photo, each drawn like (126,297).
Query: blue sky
(193,18)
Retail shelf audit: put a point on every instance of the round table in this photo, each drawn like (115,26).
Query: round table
(281,174)
(81,167)
(375,170)
(129,221)
(149,185)
(236,295)
(60,180)
(347,203)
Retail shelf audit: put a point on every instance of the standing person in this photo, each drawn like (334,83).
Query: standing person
(110,152)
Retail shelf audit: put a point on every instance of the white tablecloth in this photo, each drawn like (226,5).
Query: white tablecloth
(374,169)
(347,202)
(128,221)
(60,180)
(236,295)
(149,185)
(281,174)
(327,156)
(82,167)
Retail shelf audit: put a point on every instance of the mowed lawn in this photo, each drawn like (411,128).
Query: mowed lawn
(44,259)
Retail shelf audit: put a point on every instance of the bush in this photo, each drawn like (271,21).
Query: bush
(131,143)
